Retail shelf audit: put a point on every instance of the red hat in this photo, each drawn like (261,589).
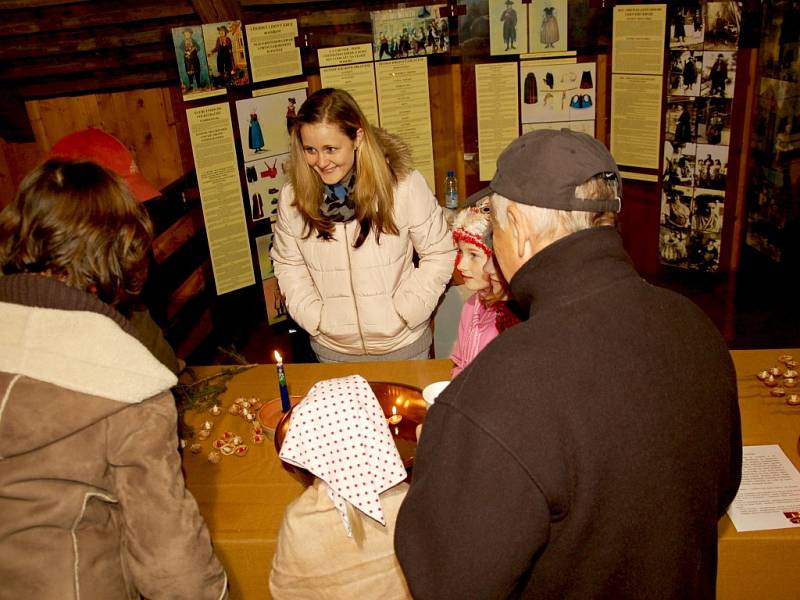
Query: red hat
(106,150)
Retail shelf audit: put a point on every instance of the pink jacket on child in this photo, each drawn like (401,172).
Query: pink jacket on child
(476,328)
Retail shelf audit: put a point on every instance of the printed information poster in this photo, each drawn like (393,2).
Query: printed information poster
(272,49)
(404,105)
(769,495)
(214,154)
(638,40)
(498,122)
(350,68)
(636,119)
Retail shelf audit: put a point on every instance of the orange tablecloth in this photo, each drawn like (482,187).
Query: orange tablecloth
(243,499)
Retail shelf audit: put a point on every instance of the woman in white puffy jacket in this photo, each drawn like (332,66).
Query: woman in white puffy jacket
(349,221)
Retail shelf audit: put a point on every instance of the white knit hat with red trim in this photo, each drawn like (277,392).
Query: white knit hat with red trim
(472,225)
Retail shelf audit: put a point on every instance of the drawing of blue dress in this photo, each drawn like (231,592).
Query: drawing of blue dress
(255,136)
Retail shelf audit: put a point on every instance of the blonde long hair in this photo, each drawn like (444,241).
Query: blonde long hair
(375,176)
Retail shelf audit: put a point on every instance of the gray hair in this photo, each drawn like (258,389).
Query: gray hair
(545,221)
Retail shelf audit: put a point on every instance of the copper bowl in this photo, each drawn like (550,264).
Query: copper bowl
(410,405)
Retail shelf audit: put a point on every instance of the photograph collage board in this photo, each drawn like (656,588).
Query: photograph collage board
(556,95)
(703,40)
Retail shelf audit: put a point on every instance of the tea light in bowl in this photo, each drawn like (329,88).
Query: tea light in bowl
(207,425)
(762,375)
(770,381)
(793,400)
(778,391)
(774,371)
(395,418)
(790,373)
(215,410)
(790,382)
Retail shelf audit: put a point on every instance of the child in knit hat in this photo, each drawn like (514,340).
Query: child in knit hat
(485,313)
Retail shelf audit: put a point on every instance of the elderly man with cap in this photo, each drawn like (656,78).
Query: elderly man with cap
(589,451)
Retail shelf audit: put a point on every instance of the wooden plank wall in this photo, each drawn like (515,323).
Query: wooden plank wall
(143,120)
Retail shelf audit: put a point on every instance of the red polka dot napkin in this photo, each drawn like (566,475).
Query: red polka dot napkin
(339,433)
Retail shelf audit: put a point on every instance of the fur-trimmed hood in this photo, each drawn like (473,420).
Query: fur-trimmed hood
(83,351)
(397,153)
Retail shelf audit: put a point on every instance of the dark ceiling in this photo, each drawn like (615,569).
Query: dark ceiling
(55,48)
(51,48)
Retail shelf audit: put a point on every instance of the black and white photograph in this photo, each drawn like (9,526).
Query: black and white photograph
(711,171)
(703,251)
(707,210)
(672,246)
(679,164)
(723,22)
(719,74)
(676,207)
(685,24)
(713,118)
(681,121)
(686,68)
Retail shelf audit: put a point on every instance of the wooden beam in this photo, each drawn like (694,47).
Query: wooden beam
(14,72)
(18,4)
(255,3)
(144,76)
(60,43)
(83,16)
(214,11)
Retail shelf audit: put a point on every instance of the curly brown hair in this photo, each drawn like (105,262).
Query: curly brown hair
(77,222)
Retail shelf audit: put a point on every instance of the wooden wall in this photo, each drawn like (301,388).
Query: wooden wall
(143,120)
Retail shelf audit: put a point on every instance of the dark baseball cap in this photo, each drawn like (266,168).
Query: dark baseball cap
(543,168)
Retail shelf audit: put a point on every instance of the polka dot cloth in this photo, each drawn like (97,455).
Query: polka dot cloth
(339,433)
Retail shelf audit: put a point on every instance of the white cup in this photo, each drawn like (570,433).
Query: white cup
(432,391)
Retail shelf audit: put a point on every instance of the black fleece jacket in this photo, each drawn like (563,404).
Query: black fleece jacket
(585,453)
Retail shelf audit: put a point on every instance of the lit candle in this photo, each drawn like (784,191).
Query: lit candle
(395,418)
(285,404)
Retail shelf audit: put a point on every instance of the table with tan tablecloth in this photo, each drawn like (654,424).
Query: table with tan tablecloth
(243,499)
